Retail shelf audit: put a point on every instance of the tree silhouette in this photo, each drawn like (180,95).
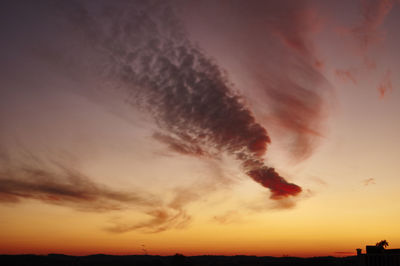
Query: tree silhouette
(382,244)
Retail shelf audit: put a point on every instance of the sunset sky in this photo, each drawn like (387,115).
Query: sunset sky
(227,127)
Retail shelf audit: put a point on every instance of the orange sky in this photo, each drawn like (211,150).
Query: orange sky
(83,168)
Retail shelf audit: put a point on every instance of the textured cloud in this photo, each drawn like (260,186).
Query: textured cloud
(186,92)
(141,50)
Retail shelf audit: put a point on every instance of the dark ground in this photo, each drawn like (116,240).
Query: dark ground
(177,260)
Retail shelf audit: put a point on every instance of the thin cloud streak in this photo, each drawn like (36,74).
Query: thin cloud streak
(59,183)
(62,185)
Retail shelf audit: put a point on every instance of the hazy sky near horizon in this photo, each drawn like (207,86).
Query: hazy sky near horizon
(210,127)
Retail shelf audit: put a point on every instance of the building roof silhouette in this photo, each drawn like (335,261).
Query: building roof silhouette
(378,256)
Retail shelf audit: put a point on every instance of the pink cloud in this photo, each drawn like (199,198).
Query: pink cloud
(385,85)
(373,15)
(346,75)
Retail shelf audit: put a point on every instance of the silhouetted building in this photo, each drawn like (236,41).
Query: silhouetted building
(378,256)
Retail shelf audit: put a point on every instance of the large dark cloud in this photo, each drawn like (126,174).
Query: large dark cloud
(187,93)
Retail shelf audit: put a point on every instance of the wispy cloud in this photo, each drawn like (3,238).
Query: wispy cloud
(174,212)
(58,182)
(385,85)
(373,14)
(347,75)
(228,217)
(368,33)
(61,184)
(369,181)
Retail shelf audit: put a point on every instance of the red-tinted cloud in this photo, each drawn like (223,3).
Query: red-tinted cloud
(385,85)
(346,75)
(373,14)
(184,90)
(279,187)
(296,35)
(367,33)
(270,43)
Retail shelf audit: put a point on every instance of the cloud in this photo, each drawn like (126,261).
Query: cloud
(284,203)
(346,75)
(318,181)
(299,112)
(368,33)
(270,45)
(385,85)
(173,213)
(279,187)
(186,92)
(228,217)
(141,50)
(373,14)
(369,181)
(185,147)
(161,220)
(59,184)
(296,36)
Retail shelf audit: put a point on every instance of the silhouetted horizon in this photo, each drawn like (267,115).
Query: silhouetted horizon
(170,260)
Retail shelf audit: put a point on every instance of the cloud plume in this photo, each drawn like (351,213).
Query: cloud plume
(149,55)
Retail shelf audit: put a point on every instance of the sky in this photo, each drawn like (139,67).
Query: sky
(263,128)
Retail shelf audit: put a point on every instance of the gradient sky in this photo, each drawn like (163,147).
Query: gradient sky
(212,127)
